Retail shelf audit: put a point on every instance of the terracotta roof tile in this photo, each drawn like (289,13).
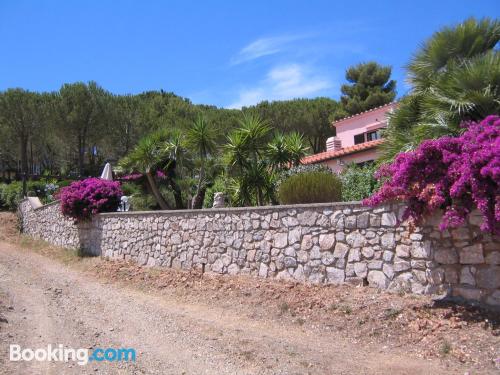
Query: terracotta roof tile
(322,156)
(362,113)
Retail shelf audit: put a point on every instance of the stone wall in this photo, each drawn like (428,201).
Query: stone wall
(47,223)
(322,243)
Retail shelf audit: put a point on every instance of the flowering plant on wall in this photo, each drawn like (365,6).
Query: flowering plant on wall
(456,174)
(88,197)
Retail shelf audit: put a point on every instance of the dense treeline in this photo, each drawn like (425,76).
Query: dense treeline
(73,131)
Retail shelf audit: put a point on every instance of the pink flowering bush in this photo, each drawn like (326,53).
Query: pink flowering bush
(456,174)
(88,197)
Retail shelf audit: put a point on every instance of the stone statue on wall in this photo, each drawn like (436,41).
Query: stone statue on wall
(219,200)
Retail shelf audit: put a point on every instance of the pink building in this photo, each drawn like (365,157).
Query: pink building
(357,139)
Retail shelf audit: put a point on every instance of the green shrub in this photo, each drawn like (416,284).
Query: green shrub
(303,168)
(142,202)
(219,185)
(130,189)
(3,205)
(11,194)
(310,187)
(358,182)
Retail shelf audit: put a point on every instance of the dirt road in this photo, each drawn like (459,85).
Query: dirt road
(47,302)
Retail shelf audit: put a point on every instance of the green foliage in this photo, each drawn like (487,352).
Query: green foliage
(285,150)
(130,189)
(219,185)
(254,162)
(201,140)
(10,195)
(370,87)
(358,182)
(309,117)
(310,187)
(302,168)
(455,77)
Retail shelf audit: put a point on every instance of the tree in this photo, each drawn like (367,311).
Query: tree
(22,114)
(310,117)
(82,115)
(244,150)
(286,150)
(201,138)
(455,78)
(126,118)
(370,87)
(254,161)
(145,158)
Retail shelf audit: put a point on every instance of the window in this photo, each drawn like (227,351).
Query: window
(371,136)
(359,138)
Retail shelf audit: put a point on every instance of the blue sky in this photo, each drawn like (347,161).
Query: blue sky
(225,53)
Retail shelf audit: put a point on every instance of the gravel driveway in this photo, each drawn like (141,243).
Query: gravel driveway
(46,302)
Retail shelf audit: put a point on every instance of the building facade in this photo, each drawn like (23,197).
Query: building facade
(357,139)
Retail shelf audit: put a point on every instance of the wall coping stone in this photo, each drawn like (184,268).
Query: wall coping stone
(237,209)
(223,209)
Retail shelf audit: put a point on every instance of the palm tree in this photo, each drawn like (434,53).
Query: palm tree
(455,77)
(286,150)
(277,152)
(296,146)
(244,155)
(255,162)
(146,157)
(201,137)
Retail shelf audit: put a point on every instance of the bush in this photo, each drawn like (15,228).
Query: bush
(129,189)
(88,197)
(456,174)
(303,168)
(143,202)
(11,194)
(219,185)
(310,187)
(358,182)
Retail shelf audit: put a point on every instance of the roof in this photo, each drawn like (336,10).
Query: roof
(327,155)
(391,104)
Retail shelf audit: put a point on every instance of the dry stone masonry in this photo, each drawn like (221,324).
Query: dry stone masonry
(322,243)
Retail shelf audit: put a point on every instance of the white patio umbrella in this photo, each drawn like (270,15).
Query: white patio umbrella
(107,173)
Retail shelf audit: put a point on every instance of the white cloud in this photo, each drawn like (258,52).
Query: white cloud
(284,82)
(264,47)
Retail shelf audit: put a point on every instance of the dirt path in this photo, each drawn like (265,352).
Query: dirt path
(51,303)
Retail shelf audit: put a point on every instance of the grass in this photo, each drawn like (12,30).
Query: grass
(346,309)
(445,348)
(392,313)
(284,308)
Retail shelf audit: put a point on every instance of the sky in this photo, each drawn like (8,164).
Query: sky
(224,53)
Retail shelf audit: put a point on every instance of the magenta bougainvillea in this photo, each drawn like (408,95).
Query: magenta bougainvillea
(88,197)
(456,174)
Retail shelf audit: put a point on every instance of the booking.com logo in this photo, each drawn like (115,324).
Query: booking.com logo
(60,353)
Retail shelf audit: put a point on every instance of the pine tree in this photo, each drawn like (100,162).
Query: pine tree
(370,86)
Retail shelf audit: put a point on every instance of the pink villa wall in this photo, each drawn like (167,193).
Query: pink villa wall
(358,157)
(348,128)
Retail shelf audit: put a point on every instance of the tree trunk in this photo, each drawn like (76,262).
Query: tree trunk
(81,154)
(127,137)
(156,192)
(24,154)
(200,190)
(259,197)
(199,198)
(177,193)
